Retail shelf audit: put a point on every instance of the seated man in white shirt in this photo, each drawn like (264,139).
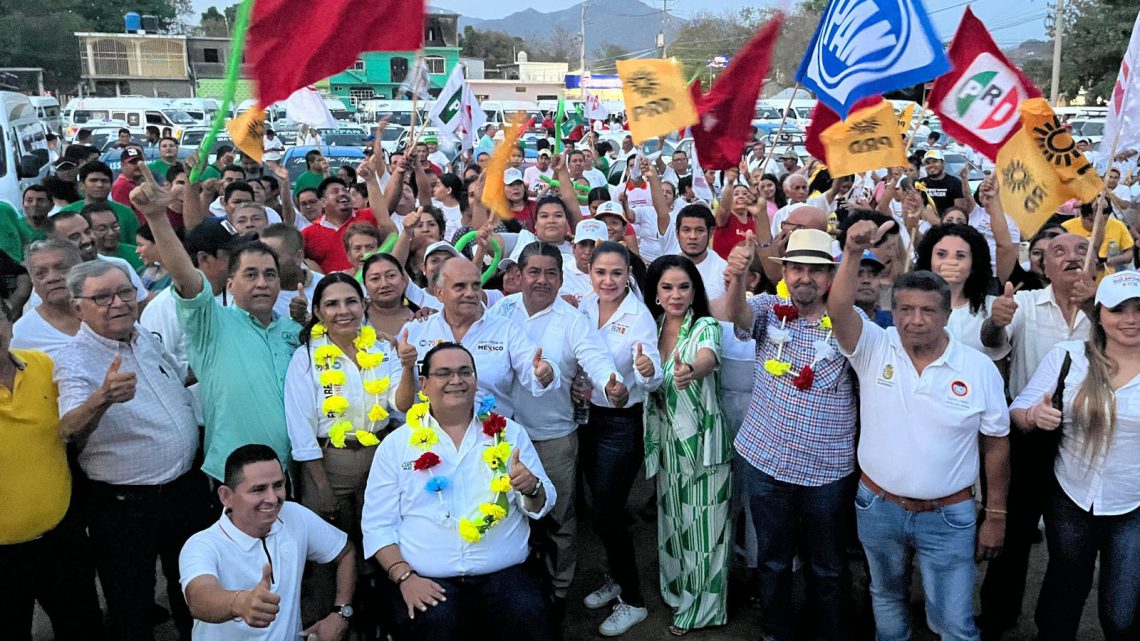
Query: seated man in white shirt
(242,575)
(444,511)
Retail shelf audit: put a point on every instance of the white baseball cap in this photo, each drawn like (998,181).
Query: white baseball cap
(511,176)
(933,154)
(610,207)
(590,229)
(1117,288)
(440,245)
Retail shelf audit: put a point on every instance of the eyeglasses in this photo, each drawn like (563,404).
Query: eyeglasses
(447,374)
(126,295)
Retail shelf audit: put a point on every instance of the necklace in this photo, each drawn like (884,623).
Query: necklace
(331,379)
(782,335)
(424,438)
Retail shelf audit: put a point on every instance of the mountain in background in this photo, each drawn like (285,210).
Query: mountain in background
(629,24)
(1030,50)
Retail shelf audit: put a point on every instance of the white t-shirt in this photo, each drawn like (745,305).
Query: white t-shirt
(236,559)
(32,331)
(967,328)
(920,433)
(531,175)
(980,220)
(712,273)
(651,242)
(596,177)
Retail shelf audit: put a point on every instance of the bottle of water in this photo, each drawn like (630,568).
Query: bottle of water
(581,387)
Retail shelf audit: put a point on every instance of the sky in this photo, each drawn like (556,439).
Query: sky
(1010,21)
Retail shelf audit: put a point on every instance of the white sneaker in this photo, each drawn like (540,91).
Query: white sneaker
(603,595)
(624,617)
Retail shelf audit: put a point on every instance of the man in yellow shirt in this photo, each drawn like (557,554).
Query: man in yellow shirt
(1114,231)
(43,548)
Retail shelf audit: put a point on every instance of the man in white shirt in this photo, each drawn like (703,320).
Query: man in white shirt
(74,228)
(242,576)
(796,189)
(1032,322)
(579,168)
(541,167)
(457,547)
(694,230)
(924,399)
(654,225)
(49,326)
(575,281)
(677,169)
(273,146)
(565,336)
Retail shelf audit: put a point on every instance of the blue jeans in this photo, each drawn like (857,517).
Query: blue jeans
(1075,539)
(780,512)
(943,541)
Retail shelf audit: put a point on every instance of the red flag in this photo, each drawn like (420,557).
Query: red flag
(726,111)
(978,99)
(823,117)
(295,44)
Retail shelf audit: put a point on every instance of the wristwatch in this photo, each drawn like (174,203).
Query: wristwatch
(537,488)
(343,610)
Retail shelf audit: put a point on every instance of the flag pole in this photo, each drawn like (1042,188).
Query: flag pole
(229,89)
(1098,219)
(783,120)
(914,127)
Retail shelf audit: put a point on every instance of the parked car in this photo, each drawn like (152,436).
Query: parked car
(294,158)
(113,157)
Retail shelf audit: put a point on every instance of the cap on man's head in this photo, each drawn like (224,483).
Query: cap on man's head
(440,245)
(511,176)
(933,154)
(65,163)
(131,154)
(808,246)
(428,139)
(210,236)
(1117,288)
(612,208)
(544,152)
(789,155)
(590,229)
(868,258)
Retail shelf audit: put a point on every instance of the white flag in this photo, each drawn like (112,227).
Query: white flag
(305,106)
(457,111)
(594,109)
(1122,126)
(700,185)
(418,82)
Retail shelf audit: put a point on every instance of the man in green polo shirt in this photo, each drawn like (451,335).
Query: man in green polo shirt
(318,170)
(96,178)
(167,156)
(12,239)
(240,352)
(224,157)
(105,228)
(37,204)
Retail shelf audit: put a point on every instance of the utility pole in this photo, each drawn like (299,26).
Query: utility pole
(661,36)
(1058,27)
(582,39)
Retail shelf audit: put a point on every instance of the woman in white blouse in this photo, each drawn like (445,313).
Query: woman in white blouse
(339,389)
(612,443)
(1094,509)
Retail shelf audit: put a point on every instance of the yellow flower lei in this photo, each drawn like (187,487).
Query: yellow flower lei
(497,456)
(335,404)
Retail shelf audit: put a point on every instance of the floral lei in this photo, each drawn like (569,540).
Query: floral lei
(781,336)
(495,456)
(332,383)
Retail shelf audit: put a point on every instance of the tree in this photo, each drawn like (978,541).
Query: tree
(560,46)
(493,47)
(213,23)
(606,54)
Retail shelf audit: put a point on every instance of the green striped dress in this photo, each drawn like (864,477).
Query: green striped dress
(687,448)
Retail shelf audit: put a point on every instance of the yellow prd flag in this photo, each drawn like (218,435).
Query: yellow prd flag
(906,116)
(248,132)
(494,191)
(1040,168)
(869,139)
(656,97)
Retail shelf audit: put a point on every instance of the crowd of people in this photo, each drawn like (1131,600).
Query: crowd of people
(361,403)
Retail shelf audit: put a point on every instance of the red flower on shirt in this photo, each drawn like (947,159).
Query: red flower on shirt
(426,460)
(804,379)
(494,424)
(786,313)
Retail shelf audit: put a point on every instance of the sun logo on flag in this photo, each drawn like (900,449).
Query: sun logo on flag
(1016,177)
(644,84)
(1056,143)
(868,126)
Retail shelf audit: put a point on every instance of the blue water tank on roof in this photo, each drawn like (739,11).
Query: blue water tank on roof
(132,21)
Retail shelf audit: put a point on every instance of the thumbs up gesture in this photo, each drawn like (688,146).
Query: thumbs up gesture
(542,369)
(642,363)
(1004,307)
(258,607)
(682,373)
(299,306)
(406,351)
(522,481)
(1043,415)
(740,258)
(117,387)
(616,391)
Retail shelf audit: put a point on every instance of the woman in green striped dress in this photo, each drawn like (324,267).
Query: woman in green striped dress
(687,448)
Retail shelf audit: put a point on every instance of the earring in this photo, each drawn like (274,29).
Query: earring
(657,300)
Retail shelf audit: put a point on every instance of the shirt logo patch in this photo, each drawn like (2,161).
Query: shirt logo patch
(490,346)
(619,329)
(886,379)
(960,389)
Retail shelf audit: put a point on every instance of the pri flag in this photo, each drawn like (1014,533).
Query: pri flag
(1122,126)
(978,100)
(726,111)
(248,132)
(594,109)
(866,47)
(305,106)
(868,140)
(418,82)
(295,44)
(1041,167)
(656,98)
(457,111)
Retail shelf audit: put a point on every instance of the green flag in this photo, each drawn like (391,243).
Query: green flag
(558,116)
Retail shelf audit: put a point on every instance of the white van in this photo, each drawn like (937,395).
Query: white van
(399,112)
(200,109)
(23,147)
(500,111)
(137,112)
(49,113)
